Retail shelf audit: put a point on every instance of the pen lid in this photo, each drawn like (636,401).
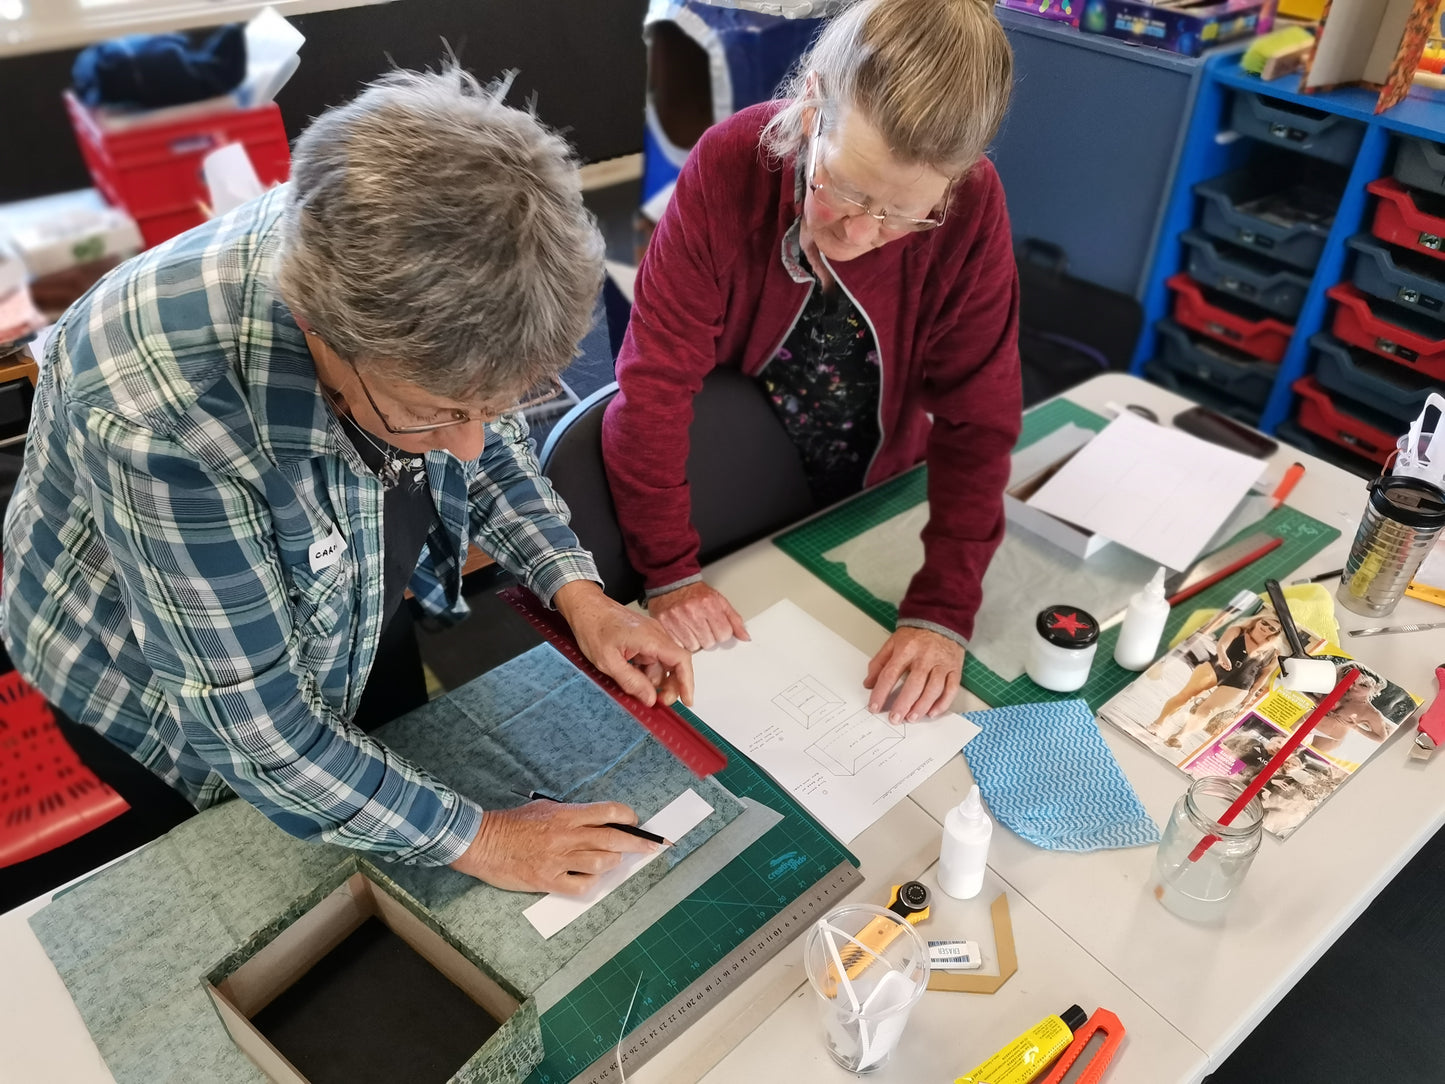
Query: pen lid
(1067,626)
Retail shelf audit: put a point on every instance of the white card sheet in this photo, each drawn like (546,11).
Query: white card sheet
(1157,490)
(792,699)
(680,816)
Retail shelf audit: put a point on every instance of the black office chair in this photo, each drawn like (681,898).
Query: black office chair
(747,480)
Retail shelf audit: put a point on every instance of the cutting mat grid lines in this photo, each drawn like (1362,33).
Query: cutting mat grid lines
(807,543)
(724,913)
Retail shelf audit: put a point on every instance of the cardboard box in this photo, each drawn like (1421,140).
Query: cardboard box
(1188,27)
(1032,467)
(277,957)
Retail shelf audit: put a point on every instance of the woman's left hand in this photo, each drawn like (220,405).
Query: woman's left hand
(629,647)
(934,665)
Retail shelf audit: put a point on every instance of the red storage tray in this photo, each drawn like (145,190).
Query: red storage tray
(1319,415)
(1410,219)
(154,170)
(1358,323)
(47,796)
(1264,338)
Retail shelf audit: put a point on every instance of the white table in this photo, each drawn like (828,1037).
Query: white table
(1084,928)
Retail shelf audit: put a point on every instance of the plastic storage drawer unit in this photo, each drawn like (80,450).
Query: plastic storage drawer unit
(1383,386)
(1412,220)
(1398,276)
(1187,386)
(1420,163)
(1236,323)
(1242,273)
(1228,371)
(1297,127)
(1270,208)
(1365,434)
(1391,331)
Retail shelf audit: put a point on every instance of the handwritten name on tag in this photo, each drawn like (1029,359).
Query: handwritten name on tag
(328,551)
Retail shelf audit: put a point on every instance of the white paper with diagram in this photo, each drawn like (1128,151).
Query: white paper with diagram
(793,700)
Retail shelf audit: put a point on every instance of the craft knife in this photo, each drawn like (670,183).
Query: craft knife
(1385,630)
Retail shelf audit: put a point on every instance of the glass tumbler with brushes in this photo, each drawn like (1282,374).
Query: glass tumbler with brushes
(1204,854)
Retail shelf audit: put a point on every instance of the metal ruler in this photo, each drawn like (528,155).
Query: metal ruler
(681,739)
(714,984)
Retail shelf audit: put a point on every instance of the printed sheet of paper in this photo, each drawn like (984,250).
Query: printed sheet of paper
(1157,490)
(793,700)
(673,821)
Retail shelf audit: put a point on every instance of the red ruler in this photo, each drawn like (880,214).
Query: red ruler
(664,724)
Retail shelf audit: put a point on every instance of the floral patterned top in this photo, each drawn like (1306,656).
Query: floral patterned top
(824,383)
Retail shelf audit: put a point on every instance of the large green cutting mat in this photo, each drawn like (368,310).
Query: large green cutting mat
(1303,538)
(750,891)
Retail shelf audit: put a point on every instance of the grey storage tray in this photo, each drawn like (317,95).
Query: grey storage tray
(1228,371)
(1244,274)
(1296,127)
(1420,163)
(1396,275)
(1392,389)
(1190,388)
(1274,210)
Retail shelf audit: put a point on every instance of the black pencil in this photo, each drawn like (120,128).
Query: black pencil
(630,829)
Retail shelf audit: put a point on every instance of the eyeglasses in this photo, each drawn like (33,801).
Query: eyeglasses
(545,392)
(846,206)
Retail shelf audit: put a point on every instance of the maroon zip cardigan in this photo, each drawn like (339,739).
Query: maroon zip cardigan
(712,290)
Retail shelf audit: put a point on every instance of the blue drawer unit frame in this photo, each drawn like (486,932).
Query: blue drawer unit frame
(1211,148)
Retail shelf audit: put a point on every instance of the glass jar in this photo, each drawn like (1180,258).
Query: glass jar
(1202,890)
(1063,651)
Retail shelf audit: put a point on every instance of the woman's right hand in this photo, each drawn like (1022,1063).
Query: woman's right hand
(697,616)
(550,846)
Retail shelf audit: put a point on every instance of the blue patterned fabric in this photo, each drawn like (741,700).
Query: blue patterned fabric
(1048,775)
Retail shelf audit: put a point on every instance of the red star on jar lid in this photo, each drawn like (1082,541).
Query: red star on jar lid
(1067,626)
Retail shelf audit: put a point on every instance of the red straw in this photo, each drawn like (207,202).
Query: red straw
(1323,708)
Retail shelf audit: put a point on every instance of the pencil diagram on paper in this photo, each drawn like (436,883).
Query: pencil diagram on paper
(808,702)
(843,743)
(856,742)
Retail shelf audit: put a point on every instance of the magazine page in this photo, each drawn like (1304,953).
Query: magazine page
(1210,707)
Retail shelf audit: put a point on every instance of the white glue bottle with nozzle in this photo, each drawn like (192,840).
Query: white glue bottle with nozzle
(1138,644)
(966,832)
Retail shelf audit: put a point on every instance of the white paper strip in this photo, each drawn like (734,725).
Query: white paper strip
(675,820)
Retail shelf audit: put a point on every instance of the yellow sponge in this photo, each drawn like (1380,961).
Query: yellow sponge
(1290,41)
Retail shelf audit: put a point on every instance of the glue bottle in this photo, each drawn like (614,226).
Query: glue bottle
(1143,625)
(966,832)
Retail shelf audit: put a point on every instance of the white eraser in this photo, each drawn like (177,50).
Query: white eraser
(954,955)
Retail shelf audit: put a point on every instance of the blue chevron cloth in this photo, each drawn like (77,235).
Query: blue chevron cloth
(1048,775)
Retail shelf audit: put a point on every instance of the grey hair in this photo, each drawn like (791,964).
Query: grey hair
(439,236)
(933,76)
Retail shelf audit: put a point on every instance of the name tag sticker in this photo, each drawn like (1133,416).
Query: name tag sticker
(328,551)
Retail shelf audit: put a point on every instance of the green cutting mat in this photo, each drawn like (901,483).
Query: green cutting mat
(1303,538)
(748,892)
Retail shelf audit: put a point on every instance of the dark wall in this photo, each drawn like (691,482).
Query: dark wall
(582,59)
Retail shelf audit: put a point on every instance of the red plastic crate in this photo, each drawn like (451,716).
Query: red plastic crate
(47,796)
(1357,323)
(154,171)
(1319,415)
(1265,338)
(1410,219)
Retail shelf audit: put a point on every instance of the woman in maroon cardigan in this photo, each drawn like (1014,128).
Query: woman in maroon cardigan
(849,247)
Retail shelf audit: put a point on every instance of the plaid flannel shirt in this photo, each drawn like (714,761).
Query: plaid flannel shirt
(182,463)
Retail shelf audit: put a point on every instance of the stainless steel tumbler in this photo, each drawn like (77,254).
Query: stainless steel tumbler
(1402,519)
